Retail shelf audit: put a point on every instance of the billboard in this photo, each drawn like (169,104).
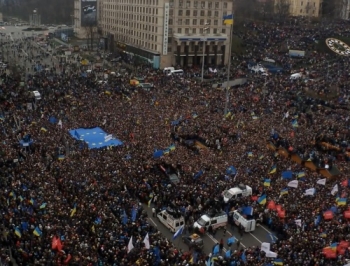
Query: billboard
(88,13)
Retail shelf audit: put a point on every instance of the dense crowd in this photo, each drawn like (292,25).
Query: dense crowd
(65,204)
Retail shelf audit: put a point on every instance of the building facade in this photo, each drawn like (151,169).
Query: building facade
(168,32)
(306,8)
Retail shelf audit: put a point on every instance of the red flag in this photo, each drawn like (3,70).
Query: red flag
(345,183)
(59,245)
(328,215)
(329,253)
(347,214)
(278,208)
(282,214)
(54,242)
(271,205)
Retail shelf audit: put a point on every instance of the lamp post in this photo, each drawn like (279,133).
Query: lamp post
(203,39)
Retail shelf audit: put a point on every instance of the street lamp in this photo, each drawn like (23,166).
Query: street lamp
(204,39)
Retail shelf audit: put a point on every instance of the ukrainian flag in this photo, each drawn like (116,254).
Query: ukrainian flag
(301,174)
(172,147)
(228,114)
(43,129)
(295,123)
(341,201)
(11,194)
(278,262)
(267,182)
(273,169)
(43,206)
(334,246)
(166,151)
(20,198)
(250,154)
(37,231)
(284,191)
(149,202)
(32,201)
(194,115)
(61,157)
(323,235)
(228,19)
(262,199)
(74,210)
(18,232)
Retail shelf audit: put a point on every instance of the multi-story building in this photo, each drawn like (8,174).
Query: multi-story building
(168,32)
(306,8)
(82,27)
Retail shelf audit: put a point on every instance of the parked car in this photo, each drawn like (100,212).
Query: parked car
(194,241)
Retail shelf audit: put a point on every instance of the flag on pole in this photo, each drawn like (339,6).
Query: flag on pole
(146,242)
(322,181)
(130,245)
(178,232)
(335,189)
(228,19)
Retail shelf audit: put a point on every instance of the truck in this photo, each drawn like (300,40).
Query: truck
(236,192)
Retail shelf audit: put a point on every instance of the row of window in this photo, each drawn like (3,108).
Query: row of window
(195,22)
(198,4)
(195,13)
(132,9)
(201,31)
(137,2)
(127,19)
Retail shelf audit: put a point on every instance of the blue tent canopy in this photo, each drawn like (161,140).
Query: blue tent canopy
(287,175)
(231,170)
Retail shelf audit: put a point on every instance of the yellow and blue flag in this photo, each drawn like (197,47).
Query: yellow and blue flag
(18,232)
(250,154)
(273,169)
(149,202)
(32,201)
(194,115)
(323,235)
(341,201)
(43,206)
(262,199)
(228,114)
(267,182)
(228,19)
(172,147)
(301,174)
(43,129)
(61,157)
(74,210)
(20,198)
(334,246)
(37,231)
(284,191)
(278,262)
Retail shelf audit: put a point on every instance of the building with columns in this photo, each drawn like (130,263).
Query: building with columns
(168,32)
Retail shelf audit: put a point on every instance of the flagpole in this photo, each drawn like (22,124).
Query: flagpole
(228,68)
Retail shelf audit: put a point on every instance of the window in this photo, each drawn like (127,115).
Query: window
(169,48)
(194,22)
(214,222)
(210,5)
(188,13)
(180,12)
(201,22)
(209,21)
(216,22)
(195,4)
(225,5)
(188,4)
(209,13)
(170,21)
(216,14)
(180,3)
(202,13)
(301,11)
(194,31)
(215,31)
(187,22)
(217,5)
(224,13)
(202,4)
(194,13)
(187,31)
(179,30)
(301,3)
(171,12)
(179,22)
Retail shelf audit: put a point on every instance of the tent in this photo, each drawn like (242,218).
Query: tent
(310,165)
(296,158)
(158,154)
(271,146)
(283,152)
(329,173)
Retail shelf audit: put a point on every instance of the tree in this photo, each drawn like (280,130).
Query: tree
(245,9)
(335,9)
(282,8)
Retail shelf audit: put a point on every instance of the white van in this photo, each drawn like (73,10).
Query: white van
(178,72)
(216,221)
(237,192)
(167,70)
(173,221)
(37,95)
(248,225)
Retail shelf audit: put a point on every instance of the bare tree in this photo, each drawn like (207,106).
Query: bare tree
(335,9)
(245,9)
(282,8)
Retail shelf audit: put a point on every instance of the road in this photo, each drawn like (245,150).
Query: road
(260,235)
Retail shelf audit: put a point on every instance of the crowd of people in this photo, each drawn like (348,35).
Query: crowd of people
(65,204)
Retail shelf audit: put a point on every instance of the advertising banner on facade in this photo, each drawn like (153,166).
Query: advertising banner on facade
(88,13)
